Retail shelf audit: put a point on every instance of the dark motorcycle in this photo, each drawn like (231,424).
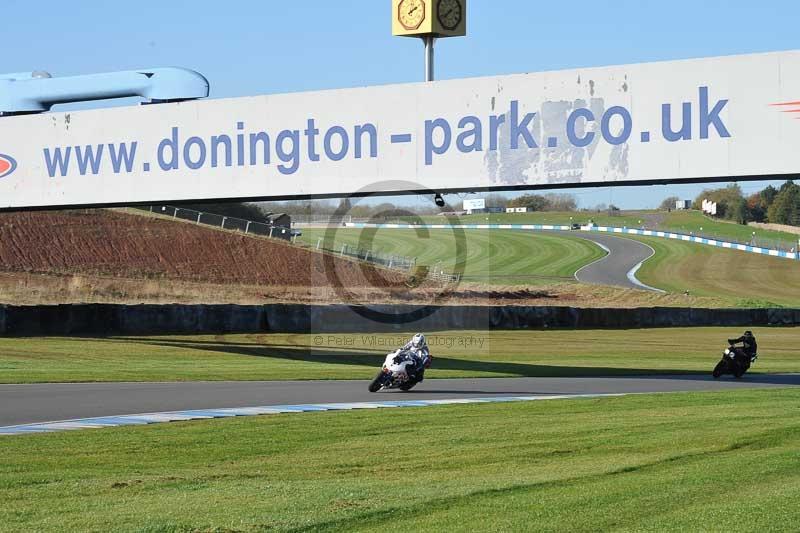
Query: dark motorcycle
(734,361)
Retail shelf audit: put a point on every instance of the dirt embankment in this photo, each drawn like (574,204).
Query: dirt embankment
(105,256)
(107,244)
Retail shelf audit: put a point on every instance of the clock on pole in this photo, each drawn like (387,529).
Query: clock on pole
(429,20)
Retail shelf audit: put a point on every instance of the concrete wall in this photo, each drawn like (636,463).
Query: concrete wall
(106,319)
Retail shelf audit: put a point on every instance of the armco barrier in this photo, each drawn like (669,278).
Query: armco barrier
(693,238)
(109,319)
(604,229)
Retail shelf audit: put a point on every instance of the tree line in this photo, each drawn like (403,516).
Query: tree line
(361,209)
(773,205)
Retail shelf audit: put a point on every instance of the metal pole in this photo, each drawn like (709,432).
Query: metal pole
(429,55)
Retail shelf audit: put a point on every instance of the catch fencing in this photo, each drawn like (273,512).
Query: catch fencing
(438,273)
(395,262)
(400,263)
(249,227)
(320,220)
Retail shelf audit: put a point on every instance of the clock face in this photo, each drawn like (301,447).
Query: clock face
(411,13)
(450,14)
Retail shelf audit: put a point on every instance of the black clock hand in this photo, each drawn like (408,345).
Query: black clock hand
(412,10)
(447,14)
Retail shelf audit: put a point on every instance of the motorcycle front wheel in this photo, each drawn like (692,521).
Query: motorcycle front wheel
(719,369)
(377,383)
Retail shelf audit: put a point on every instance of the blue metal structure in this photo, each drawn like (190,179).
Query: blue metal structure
(35,92)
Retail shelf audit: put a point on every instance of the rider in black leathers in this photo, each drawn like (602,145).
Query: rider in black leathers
(749,349)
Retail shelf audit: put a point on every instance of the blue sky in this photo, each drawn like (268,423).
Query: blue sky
(247,47)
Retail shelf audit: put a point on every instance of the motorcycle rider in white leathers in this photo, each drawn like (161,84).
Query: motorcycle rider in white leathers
(417,347)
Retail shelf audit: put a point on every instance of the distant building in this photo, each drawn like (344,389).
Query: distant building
(280,226)
(683,204)
(520,209)
(509,209)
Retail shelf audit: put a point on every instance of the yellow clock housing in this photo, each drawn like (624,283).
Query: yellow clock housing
(437,18)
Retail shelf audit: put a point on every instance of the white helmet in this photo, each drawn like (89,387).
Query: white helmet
(418,340)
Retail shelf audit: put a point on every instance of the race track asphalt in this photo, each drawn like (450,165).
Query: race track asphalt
(619,266)
(23,404)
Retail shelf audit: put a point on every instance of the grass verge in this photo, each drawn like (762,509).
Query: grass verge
(458,354)
(748,280)
(492,256)
(513,257)
(698,462)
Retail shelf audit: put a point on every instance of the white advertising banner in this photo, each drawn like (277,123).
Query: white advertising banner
(723,117)
(478,203)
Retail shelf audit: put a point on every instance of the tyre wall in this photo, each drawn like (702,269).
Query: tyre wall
(106,319)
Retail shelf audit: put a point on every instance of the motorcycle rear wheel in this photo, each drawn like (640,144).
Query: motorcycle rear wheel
(407,386)
(377,383)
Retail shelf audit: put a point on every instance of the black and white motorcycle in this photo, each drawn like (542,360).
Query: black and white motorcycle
(399,371)
(734,361)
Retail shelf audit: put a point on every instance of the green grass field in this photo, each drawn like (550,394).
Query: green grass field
(492,257)
(678,221)
(680,462)
(692,221)
(721,461)
(458,354)
(514,257)
(749,280)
